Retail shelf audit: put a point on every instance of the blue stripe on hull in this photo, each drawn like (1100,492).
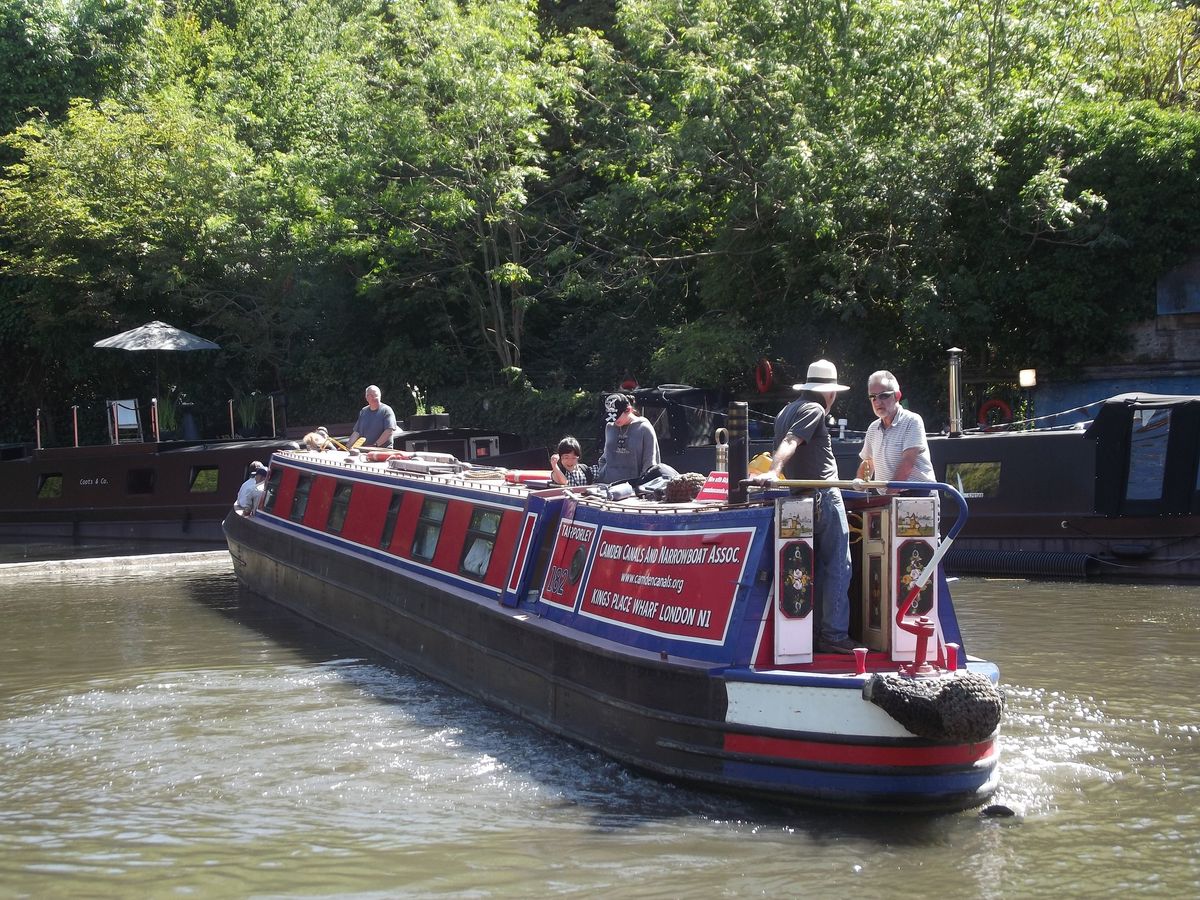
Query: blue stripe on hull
(860,788)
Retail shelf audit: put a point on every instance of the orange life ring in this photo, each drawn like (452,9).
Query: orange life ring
(764,375)
(385,455)
(1005,410)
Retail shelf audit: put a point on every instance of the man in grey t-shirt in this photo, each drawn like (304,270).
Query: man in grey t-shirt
(804,452)
(376,423)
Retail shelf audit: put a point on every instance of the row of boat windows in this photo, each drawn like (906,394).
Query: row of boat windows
(477,545)
(201,480)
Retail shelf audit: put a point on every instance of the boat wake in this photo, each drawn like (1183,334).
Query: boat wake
(1055,744)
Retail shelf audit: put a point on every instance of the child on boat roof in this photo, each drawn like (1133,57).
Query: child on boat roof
(565,467)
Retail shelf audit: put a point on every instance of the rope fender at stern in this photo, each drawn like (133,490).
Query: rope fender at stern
(964,707)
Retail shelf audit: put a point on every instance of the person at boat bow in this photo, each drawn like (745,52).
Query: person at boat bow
(630,444)
(804,451)
(894,448)
(565,465)
(251,492)
(376,423)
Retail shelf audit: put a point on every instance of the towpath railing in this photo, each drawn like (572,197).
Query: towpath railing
(120,416)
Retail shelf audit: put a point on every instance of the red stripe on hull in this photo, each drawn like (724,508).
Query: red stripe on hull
(859,754)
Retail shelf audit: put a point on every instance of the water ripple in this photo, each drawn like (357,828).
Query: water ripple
(171,736)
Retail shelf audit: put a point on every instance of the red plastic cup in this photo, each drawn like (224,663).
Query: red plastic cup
(860,660)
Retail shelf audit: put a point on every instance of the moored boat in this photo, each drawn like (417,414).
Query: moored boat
(1115,495)
(173,491)
(675,637)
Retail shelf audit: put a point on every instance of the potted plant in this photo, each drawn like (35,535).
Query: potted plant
(426,416)
(168,419)
(247,413)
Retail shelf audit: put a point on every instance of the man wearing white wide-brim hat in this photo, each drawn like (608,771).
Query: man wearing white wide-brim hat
(804,451)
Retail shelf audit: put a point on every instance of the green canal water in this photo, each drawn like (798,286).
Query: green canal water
(163,734)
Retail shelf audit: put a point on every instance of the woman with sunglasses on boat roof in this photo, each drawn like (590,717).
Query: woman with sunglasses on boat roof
(565,467)
(894,448)
(630,444)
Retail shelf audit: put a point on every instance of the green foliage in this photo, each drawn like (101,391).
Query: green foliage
(421,404)
(542,416)
(51,52)
(472,92)
(491,199)
(36,57)
(168,415)
(247,407)
(1089,201)
(716,351)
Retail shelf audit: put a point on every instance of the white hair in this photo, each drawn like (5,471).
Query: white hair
(885,378)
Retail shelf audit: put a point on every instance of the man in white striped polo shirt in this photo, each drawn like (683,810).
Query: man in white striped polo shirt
(894,448)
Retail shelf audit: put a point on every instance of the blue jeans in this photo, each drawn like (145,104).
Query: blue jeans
(831,534)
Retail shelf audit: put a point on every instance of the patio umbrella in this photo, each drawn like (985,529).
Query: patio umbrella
(156,336)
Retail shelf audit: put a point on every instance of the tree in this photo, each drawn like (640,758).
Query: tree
(472,91)
(207,196)
(1092,203)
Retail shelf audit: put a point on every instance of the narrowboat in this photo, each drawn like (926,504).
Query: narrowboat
(1115,495)
(675,637)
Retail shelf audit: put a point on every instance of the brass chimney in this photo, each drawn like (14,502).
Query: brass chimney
(955,407)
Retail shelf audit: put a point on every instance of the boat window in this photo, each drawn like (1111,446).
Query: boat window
(300,498)
(702,424)
(140,481)
(484,446)
(481,537)
(389,524)
(975,479)
(1148,454)
(204,479)
(50,486)
(429,527)
(268,503)
(657,416)
(338,507)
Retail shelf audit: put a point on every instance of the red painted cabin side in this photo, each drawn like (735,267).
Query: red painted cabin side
(366,513)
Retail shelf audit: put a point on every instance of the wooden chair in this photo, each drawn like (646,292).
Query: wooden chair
(124,423)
